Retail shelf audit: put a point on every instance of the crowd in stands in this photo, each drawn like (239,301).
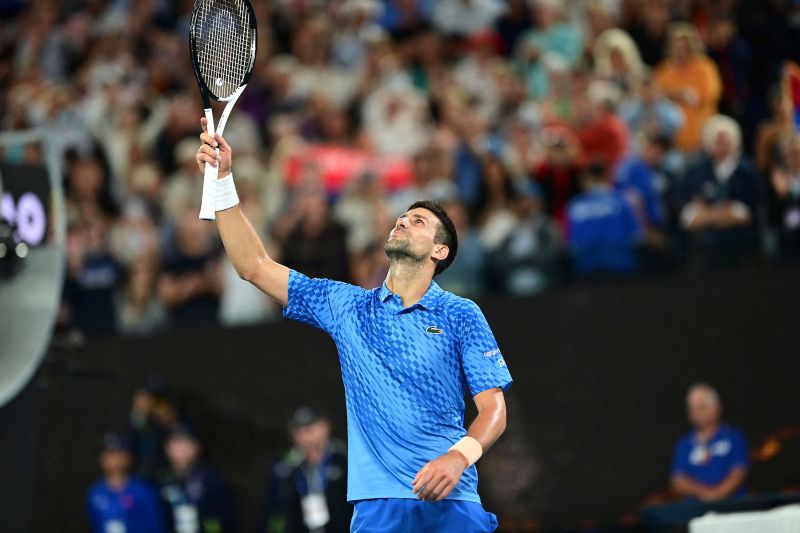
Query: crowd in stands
(566,138)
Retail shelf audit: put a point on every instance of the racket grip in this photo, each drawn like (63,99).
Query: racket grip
(207,208)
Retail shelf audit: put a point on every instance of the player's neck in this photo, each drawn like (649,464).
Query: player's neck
(407,281)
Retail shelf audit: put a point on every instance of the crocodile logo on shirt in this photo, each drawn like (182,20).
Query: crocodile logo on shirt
(434,330)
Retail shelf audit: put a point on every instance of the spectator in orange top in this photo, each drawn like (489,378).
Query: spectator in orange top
(691,80)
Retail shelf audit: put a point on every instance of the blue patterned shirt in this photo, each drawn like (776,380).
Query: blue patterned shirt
(405,374)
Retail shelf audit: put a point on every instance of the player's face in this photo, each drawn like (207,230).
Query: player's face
(413,234)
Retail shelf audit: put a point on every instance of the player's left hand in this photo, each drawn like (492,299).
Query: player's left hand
(439,477)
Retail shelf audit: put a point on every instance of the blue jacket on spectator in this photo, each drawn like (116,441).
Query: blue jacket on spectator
(635,175)
(603,232)
(133,509)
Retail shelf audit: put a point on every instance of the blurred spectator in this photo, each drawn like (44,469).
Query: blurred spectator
(617,60)
(135,234)
(185,185)
(559,173)
(88,191)
(522,151)
(723,199)
(195,496)
(307,488)
(493,215)
(496,190)
(92,277)
(122,125)
(465,276)
(190,281)
(119,502)
(364,211)
(152,418)
(691,80)
(466,17)
(786,194)
(602,134)
(594,18)
(477,73)
(652,190)
(550,40)
(650,32)
(734,59)
(313,242)
(431,179)
(649,114)
(525,262)
(513,24)
(474,141)
(402,17)
(139,310)
(602,227)
(774,131)
(395,114)
(355,23)
(424,58)
(710,462)
(644,183)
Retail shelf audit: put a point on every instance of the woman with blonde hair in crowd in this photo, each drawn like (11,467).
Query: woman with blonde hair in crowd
(617,59)
(689,78)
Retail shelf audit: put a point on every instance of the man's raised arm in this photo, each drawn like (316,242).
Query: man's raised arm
(242,244)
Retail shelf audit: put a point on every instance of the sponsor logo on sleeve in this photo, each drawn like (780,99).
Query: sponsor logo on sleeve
(495,353)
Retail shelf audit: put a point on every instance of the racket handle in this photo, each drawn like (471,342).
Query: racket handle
(207,207)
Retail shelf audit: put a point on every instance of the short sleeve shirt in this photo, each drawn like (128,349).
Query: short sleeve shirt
(710,462)
(405,373)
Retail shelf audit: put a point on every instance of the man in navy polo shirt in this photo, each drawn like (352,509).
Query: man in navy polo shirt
(408,350)
(710,463)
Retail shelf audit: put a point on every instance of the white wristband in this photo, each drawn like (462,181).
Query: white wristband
(226,194)
(469,448)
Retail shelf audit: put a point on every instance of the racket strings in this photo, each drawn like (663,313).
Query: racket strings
(224,44)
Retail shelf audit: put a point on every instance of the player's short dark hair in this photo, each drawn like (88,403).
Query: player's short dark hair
(445,233)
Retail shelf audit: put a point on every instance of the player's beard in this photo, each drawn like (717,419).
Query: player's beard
(401,251)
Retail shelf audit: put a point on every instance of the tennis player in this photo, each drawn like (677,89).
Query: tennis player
(407,351)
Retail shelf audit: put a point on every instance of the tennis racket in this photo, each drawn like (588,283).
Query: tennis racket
(223,49)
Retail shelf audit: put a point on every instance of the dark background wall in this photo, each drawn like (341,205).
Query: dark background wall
(600,373)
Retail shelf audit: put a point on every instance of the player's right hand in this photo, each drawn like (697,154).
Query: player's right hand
(208,153)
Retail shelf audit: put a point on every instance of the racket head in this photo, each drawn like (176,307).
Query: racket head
(222,42)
